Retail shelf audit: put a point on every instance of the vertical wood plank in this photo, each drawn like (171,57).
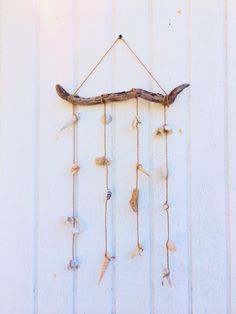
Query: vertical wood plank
(57,43)
(17,145)
(209,277)
(170,51)
(132,282)
(231,217)
(93,39)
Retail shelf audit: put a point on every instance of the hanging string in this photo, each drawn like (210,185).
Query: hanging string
(74,262)
(137,170)
(106,174)
(95,67)
(166,203)
(143,65)
(106,258)
(120,37)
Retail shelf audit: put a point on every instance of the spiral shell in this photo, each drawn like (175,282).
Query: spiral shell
(134,200)
(105,264)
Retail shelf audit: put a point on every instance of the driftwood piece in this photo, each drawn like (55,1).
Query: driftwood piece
(122,96)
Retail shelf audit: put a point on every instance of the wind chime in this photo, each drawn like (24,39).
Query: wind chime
(166,100)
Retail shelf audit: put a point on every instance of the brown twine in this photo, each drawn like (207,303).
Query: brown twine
(166,204)
(137,170)
(106,176)
(107,52)
(74,209)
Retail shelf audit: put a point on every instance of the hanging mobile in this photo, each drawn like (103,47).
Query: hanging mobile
(166,100)
(103,161)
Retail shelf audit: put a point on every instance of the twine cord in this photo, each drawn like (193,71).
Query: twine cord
(137,170)
(104,56)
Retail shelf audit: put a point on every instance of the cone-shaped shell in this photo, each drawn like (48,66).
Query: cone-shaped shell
(105,264)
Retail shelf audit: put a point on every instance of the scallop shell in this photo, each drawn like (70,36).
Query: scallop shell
(102,161)
(105,264)
(171,246)
(106,119)
(164,172)
(137,251)
(141,168)
(74,169)
(134,200)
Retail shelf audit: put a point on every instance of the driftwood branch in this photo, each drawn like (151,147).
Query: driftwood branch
(122,96)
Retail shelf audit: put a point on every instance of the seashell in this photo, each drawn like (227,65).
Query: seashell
(164,172)
(140,168)
(74,168)
(106,119)
(167,128)
(136,122)
(109,194)
(137,251)
(102,161)
(68,220)
(73,120)
(171,246)
(105,264)
(164,129)
(166,206)
(166,276)
(74,263)
(134,200)
(76,231)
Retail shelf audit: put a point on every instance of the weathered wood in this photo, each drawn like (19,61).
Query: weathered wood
(121,96)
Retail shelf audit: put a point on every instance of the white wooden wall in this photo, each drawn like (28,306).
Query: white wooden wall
(46,42)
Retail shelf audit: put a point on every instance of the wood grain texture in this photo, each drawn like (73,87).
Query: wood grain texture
(122,96)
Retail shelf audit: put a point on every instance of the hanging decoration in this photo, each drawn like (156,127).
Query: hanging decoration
(164,99)
(103,161)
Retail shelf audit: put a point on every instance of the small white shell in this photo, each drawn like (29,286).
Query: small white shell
(74,169)
(171,246)
(106,119)
(73,120)
(136,122)
(74,264)
(165,206)
(137,251)
(76,231)
(68,220)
